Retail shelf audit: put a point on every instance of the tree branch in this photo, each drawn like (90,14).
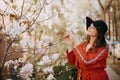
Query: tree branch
(48,17)
(108,6)
(35,17)
(7,46)
(22,8)
(99,1)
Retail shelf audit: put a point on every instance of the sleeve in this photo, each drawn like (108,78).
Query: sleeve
(93,58)
(70,57)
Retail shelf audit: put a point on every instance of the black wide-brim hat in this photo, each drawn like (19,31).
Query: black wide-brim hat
(99,24)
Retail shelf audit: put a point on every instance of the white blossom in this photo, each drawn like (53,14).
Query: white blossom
(73,28)
(63,62)
(45,41)
(26,40)
(41,51)
(8,79)
(56,30)
(26,71)
(28,78)
(48,70)
(14,44)
(46,59)
(23,43)
(55,57)
(50,77)
(30,43)
(8,63)
(40,63)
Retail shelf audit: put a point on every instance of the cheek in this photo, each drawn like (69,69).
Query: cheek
(92,33)
(95,32)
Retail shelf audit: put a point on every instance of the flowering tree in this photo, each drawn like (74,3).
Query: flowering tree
(36,30)
(22,23)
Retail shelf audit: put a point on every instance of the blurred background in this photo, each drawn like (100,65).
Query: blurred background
(32,36)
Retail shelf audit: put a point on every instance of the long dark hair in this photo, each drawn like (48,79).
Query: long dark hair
(100,41)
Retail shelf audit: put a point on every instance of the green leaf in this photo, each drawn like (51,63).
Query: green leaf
(61,72)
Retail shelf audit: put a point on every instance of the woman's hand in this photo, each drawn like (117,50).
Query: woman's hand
(70,43)
(70,40)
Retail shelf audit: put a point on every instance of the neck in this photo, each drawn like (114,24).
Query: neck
(92,41)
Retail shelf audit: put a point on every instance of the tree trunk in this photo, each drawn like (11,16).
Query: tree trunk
(2,49)
(115,24)
(109,25)
(1,76)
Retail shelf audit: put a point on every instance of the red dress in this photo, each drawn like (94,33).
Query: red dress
(91,63)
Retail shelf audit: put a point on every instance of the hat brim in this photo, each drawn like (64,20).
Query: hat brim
(89,21)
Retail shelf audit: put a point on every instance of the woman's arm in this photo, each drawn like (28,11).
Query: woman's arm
(70,57)
(71,41)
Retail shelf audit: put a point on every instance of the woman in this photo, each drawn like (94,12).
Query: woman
(89,57)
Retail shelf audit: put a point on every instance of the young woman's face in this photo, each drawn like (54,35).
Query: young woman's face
(92,31)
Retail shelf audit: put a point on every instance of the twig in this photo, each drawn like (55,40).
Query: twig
(22,8)
(6,7)
(48,18)
(29,10)
(35,18)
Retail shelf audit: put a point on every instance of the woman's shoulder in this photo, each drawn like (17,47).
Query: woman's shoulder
(104,47)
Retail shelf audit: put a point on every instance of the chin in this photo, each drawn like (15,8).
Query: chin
(88,33)
(91,35)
